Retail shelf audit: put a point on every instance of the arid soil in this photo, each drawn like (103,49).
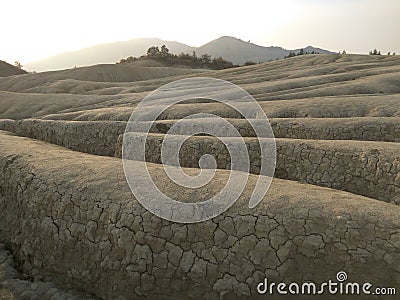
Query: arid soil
(70,228)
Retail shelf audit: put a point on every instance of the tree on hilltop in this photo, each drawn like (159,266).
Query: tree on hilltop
(206,58)
(375,52)
(18,64)
(153,51)
(191,60)
(164,51)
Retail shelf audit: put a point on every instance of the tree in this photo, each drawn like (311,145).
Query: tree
(184,56)
(164,51)
(375,52)
(344,52)
(291,54)
(220,63)
(301,52)
(388,53)
(18,64)
(153,52)
(249,63)
(205,58)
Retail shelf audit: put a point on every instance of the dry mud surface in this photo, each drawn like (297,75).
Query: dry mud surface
(70,228)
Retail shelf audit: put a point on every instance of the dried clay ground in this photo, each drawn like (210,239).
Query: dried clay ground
(70,227)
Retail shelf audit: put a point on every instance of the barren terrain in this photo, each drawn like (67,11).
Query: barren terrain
(70,227)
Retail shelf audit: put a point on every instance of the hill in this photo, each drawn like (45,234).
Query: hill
(230,48)
(103,54)
(9,70)
(238,51)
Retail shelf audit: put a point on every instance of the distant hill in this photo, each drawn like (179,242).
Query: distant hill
(230,48)
(238,51)
(9,70)
(103,54)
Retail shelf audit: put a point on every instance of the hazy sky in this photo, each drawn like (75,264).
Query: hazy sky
(31,30)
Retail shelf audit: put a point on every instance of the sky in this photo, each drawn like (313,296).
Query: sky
(33,30)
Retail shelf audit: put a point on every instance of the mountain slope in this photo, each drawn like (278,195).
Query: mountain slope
(103,53)
(9,70)
(230,48)
(238,51)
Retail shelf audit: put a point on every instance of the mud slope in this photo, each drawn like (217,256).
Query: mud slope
(107,244)
(71,228)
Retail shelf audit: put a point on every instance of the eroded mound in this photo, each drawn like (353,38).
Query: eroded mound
(69,218)
(299,233)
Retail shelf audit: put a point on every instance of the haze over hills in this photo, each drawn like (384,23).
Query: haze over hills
(238,51)
(230,48)
(103,54)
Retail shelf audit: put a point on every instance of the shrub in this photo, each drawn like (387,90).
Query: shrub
(375,52)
